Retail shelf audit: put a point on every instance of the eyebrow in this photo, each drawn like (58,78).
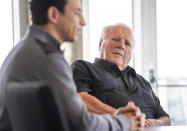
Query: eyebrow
(116,38)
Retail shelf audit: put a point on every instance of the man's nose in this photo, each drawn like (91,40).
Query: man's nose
(121,45)
(82,21)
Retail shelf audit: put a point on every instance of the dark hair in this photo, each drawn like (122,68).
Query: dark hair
(39,9)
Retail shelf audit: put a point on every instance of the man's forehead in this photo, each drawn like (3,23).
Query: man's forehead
(120,31)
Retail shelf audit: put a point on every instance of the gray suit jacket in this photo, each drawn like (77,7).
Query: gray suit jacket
(38,57)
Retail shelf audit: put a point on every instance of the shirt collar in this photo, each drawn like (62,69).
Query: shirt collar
(105,64)
(108,66)
(41,34)
(130,70)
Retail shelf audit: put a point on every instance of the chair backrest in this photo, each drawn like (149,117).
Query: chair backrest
(32,107)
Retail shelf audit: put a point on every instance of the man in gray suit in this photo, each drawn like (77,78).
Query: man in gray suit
(38,57)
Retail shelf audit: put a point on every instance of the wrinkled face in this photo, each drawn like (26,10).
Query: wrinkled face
(117,46)
(71,22)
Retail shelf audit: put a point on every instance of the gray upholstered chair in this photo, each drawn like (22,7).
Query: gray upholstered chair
(33,106)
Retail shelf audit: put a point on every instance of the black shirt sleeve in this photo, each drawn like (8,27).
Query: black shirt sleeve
(81,76)
(158,111)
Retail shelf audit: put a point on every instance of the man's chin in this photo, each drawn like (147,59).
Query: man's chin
(115,61)
(72,40)
(75,38)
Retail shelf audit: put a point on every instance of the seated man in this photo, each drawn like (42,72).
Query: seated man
(109,82)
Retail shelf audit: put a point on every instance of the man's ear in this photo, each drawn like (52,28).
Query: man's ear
(53,15)
(100,44)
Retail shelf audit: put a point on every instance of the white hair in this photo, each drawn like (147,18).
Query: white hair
(107,29)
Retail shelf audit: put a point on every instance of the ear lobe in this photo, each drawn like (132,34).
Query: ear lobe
(53,15)
(100,44)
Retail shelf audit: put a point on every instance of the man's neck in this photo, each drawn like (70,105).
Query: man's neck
(49,28)
(122,68)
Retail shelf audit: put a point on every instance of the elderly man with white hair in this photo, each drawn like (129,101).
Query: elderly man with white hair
(110,83)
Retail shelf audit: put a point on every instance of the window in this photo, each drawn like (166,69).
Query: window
(171,39)
(6,26)
(171,57)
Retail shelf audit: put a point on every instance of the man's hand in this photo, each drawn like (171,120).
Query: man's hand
(137,122)
(130,108)
(152,122)
(135,116)
(161,121)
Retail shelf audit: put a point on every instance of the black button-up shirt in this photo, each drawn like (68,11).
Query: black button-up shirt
(105,81)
